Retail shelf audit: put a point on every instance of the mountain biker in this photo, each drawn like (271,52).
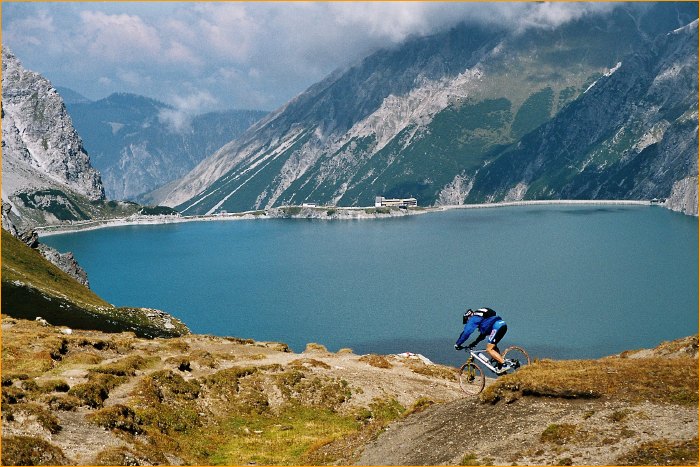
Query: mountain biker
(489,324)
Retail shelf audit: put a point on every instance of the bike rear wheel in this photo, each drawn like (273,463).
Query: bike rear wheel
(517,354)
(471,379)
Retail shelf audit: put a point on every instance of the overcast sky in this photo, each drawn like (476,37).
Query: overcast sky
(206,56)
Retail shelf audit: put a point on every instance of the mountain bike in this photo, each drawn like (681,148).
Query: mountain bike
(471,375)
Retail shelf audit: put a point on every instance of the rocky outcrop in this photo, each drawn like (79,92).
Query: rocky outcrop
(684,196)
(66,262)
(7,221)
(46,172)
(38,131)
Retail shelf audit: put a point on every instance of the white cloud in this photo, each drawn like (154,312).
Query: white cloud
(177,121)
(194,102)
(187,106)
(247,54)
(119,38)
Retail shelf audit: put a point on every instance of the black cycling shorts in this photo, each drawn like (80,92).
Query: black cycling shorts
(497,332)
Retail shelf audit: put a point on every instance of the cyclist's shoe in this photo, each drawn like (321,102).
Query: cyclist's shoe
(501,369)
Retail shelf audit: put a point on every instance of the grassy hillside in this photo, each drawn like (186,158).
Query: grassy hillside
(32,287)
(208,400)
(197,400)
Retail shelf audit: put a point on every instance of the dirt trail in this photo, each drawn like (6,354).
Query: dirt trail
(466,430)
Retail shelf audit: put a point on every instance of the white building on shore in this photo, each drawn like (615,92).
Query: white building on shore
(380,202)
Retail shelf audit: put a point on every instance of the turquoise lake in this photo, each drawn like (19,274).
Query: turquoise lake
(570,281)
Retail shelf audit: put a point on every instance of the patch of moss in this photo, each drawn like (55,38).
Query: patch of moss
(95,391)
(118,417)
(63,402)
(378,361)
(671,381)
(432,371)
(263,440)
(469,459)
(124,367)
(166,386)
(169,419)
(308,363)
(299,388)
(126,456)
(12,395)
(662,452)
(28,450)
(226,382)
(54,385)
(43,417)
(419,405)
(313,347)
(559,433)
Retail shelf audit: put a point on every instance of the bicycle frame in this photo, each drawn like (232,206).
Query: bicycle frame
(483,357)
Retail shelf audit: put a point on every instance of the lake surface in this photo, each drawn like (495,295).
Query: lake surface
(570,281)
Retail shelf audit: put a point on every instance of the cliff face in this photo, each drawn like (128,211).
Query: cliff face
(684,196)
(447,118)
(38,131)
(632,135)
(46,172)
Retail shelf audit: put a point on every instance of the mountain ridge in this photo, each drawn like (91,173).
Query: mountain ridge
(439,126)
(140,144)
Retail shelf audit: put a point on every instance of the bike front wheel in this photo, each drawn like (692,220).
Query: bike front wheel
(518,355)
(471,379)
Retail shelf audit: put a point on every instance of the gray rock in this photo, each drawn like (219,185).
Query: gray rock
(66,262)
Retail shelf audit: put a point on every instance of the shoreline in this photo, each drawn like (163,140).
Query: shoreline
(340,213)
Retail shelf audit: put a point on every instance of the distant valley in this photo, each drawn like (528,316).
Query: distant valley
(139,144)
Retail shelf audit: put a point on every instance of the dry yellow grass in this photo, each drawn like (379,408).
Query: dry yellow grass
(378,361)
(668,380)
(662,452)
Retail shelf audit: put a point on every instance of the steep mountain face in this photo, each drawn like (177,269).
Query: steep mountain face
(632,135)
(47,174)
(457,117)
(139,144)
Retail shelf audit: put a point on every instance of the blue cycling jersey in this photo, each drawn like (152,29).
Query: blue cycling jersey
(485,326)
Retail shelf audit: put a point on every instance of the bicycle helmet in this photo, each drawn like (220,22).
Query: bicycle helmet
(467,314)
